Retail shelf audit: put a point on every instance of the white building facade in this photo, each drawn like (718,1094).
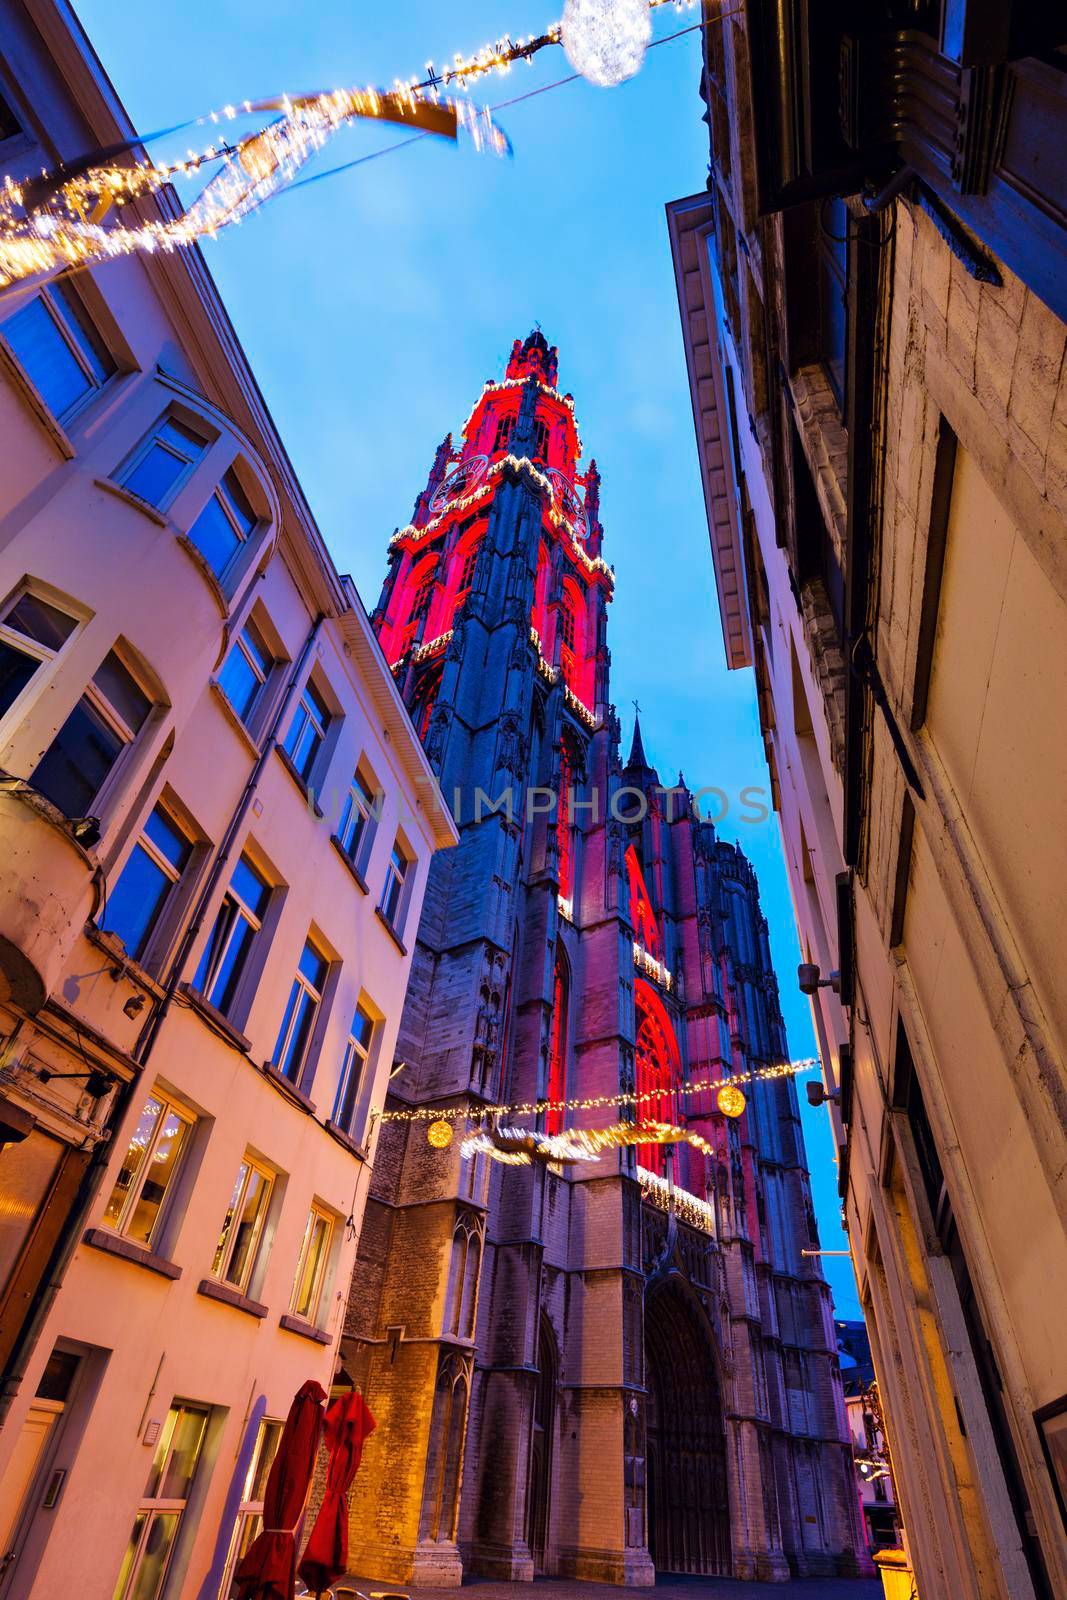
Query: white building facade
(215,826)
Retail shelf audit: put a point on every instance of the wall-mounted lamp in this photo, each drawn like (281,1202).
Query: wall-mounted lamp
(810,979)
(818,1094)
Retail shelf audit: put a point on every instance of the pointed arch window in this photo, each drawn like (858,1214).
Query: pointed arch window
(658,1070)
(503,432)
(444,1458)
(565,823)
(461,1301)
(556,1086)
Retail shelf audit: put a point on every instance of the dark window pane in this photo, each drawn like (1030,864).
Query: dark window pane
(58,1376)
(362,1028)
(237,502)
(257,647)
(155,474)
(72,770)
(168,838)
(252,887)
(314,966)
(16,670)
(136,901)
(215,536)
(317,703)
(305,748)
(9,123)
(291,1061)
(229,974)
(39,346)
(37,620)
(122,692)
(76,320)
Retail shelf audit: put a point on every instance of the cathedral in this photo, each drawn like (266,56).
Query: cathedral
(607,1368)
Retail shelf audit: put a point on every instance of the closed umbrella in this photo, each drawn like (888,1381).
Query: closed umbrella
(268,1570)
(348,1422)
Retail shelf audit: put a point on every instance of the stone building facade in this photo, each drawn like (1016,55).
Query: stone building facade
(872,289)
(201,951)
(599,1370)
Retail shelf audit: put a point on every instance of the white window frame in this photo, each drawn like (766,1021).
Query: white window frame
(167,1106)
(305,715)
(318,1213)
(153,1506)
(228,1237)
(248,719)
(365,800)
(249,1509)
(31,647)
(96,385)
(396,922)
(116,722)
(304,984)
(242,910)
(244,538)
(190,463)
(173,874)
(355,1061)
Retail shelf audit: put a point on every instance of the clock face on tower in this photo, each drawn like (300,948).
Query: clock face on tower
(568,503)
(463,481)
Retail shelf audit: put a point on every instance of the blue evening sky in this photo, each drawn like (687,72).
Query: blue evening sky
(374,305)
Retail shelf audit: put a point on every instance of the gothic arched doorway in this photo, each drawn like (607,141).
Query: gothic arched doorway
(688,1507)
(539,1487)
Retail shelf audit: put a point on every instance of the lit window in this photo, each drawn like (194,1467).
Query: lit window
(237,1251)
(308,1296)
(396,873)
(245,671)
(154,868)
(31,633)
(58,347)
(305,997)
(159,1517)
(357,1053)
(104,723)
(148,1169)
(224,524)
(362,808)
(164,462)
(249,1520)
(307,731)
(226,953)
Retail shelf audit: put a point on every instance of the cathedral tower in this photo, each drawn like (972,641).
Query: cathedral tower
(601,1369)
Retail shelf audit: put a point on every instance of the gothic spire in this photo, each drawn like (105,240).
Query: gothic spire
(637,756)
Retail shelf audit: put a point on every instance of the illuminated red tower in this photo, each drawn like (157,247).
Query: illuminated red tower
(605,1369)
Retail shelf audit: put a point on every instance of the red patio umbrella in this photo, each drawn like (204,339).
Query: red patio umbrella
(268,1569)
(348,1422)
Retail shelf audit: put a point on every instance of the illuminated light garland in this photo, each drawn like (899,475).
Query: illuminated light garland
(521,1147)
(599,1102)
(646,961)
(669,1197)
(580,709)
(606,40)
(65,218)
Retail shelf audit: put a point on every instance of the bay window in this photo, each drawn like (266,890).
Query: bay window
(57,345)
(164,461)
(225,523)
(32,633)
(147,881)
(104,723)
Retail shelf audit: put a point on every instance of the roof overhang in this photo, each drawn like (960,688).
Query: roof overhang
(689,223)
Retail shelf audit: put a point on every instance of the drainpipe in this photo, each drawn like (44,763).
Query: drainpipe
(63,1249)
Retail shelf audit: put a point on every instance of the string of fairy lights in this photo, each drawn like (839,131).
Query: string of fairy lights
(89,210)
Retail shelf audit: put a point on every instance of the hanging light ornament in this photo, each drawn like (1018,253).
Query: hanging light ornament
(606,40)
(730,1100)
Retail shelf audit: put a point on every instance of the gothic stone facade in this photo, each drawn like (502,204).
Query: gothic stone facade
(573,1372)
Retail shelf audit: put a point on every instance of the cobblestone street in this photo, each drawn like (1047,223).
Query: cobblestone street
(666,1589)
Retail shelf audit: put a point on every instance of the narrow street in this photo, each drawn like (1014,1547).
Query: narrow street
(671,1588)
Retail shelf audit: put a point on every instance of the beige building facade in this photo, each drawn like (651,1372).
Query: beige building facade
(216,823)
(876,365)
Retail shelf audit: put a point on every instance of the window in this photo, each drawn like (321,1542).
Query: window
(9,123)
(470,561)
(152,871)
(566,624)
(246,670)
(305,997)
(421,603)
(307,731)
(239,1243)
(226,953)
(503,432)
(31,633)
(224,524)
(396,874)
(106,720)
(58,347)
(155,1527)
(148,1168)
(357,1053)
(361,812)
(540,439)
(556,1087)
(157,470)
(310,1282)
(249,1520)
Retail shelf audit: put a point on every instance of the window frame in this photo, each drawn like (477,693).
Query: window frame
(317,1212)
(362,787)
(255,920)
(169,1104)
(301,988)
(33,649)
(129,738)
(228,576)
(405,880)
(129,464)
(229,1234)
(254,720)
(53,296)
(153,1506)
(354,1076)
(249,1507)
(158,932)
(324,726)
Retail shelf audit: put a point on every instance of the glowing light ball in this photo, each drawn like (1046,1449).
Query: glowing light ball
(730,1100)
(606,40)
(439,1134)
